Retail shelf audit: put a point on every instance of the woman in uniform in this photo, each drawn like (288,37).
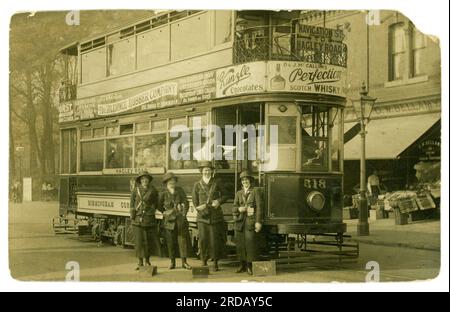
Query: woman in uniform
(174,205)
(207,197)
(144,199)
(248,216)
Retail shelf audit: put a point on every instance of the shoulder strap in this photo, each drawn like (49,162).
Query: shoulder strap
(140,198)
(211,189)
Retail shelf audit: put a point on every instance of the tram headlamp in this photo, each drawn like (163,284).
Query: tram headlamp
(315,200)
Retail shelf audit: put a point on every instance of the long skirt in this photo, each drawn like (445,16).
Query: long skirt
(211,240)
(248,244)
(146,241)
(178,242)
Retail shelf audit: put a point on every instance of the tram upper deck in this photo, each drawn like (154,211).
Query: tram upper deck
(177,44)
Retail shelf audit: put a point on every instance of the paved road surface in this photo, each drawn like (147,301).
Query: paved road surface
(35,253)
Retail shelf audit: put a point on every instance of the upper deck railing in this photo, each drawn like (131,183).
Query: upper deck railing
(279,43)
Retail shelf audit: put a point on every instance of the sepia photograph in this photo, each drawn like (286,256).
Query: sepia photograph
(224,146)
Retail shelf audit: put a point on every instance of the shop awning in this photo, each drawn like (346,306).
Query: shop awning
(388,138)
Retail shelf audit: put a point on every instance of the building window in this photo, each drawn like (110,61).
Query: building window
(417,52)
(397,49)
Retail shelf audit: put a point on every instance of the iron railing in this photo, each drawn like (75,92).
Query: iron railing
(67,92)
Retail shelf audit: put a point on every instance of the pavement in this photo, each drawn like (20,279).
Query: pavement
(424,234)
(37,254)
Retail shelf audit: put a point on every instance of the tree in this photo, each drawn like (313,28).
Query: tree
(36,70)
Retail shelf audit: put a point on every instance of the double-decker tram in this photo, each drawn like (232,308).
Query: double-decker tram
(272,89)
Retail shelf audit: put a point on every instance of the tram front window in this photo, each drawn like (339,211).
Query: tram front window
(321,131)
(315,121)
(119,153)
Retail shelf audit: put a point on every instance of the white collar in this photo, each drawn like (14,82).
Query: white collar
(206,180)
(246,190)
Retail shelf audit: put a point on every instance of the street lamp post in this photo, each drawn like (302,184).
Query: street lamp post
(363,109)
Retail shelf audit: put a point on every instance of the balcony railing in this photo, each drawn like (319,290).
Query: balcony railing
(67,92)
(264,44)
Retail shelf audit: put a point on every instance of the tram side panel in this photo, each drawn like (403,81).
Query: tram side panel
(104,202)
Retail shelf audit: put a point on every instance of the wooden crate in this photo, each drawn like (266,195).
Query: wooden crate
(400,218)
(407,205)
(200,272)
(425,201)
(350,213)
(264,268)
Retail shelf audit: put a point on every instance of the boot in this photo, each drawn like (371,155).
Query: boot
(242,268)
(147,261)
(185,265)
(204,262)
(216,265)
(249,268)
(140,264)
(172,264)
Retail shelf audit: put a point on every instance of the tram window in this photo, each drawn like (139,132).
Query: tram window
(151,151)
(126,129)
(119,153)
(336,139)
(99,132)
(188,148)
(189,37)
(202,119)
(142,127)
(110,131)
(86,134)
(287,128)
(315,123)
(69,151)
(177,122)
(223,26)
(91,156)
(65,150)
(93,65)
(153,47)
(159,125)
(121,58)
(73,151)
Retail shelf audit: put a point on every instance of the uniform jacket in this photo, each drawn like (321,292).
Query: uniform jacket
(174,207)
(253,199)
(205,194)
(143,206)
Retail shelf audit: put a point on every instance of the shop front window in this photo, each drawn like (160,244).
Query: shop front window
(151,151)
(91,156)
(119,153)
(314,129)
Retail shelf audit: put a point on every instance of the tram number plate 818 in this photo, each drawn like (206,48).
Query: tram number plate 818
(315,183)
